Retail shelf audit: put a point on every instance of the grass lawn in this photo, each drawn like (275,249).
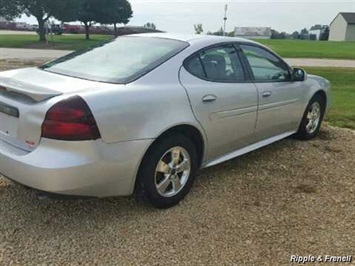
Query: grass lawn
(63,42)
(311,49)
(285,48)
(343,95)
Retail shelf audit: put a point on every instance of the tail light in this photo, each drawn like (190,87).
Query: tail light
(70,119)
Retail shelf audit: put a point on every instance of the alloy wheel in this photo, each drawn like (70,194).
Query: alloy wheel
(172,172)
(313,118)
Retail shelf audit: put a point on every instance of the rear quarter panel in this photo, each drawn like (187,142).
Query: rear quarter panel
(143,109)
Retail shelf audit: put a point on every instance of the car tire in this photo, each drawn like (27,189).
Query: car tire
(312,119)
(167,171)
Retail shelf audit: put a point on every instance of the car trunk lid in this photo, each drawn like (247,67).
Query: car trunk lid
(40,85)
(25,97)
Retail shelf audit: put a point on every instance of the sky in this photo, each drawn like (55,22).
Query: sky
(281,15)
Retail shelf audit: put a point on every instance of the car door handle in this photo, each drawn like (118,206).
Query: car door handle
(209,98)
(266,94)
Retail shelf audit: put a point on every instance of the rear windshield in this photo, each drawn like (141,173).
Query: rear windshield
(121,60)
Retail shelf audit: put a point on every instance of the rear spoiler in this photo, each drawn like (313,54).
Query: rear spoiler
(37,93)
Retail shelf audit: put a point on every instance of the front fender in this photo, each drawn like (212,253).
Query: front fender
(315,84)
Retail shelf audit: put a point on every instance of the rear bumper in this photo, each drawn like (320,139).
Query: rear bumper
(82,168)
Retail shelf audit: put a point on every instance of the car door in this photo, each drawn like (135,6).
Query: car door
(280,99)
(221,99)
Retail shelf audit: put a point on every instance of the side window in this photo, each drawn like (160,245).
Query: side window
(219,64)
(265,66)
(194,66)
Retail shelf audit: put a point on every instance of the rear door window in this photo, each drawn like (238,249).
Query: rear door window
(217,64)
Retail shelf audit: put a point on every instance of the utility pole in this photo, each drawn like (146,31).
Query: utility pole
(225,19)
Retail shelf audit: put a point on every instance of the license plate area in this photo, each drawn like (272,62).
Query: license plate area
(9,110)
(8,120)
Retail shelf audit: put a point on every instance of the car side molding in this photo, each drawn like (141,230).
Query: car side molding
(249,148)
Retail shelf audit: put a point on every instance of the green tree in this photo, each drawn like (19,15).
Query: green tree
(325,34)
(42,10)
(230,34)
(295,35)
(278,35)
(116,12)
(198,28)
(304,34)
(304,31)
(10,9)
(150,26)
(88,12)
(217,33)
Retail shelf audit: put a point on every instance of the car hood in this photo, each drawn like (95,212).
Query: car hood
(41,85)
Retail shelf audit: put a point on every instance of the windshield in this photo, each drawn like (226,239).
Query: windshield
(121,60)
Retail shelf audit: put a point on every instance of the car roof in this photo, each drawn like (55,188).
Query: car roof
(194,38)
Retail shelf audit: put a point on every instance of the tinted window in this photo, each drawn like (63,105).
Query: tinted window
(194,66)
(118,61)
(265,65)
(219,64)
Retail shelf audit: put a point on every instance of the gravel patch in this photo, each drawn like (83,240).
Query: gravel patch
(290,198)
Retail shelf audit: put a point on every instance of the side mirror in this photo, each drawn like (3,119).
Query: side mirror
(299,74)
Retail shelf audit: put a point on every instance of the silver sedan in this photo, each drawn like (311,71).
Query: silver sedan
(143,113)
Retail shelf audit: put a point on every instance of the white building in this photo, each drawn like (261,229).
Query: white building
(253,32)
(342,28)
(317,30)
